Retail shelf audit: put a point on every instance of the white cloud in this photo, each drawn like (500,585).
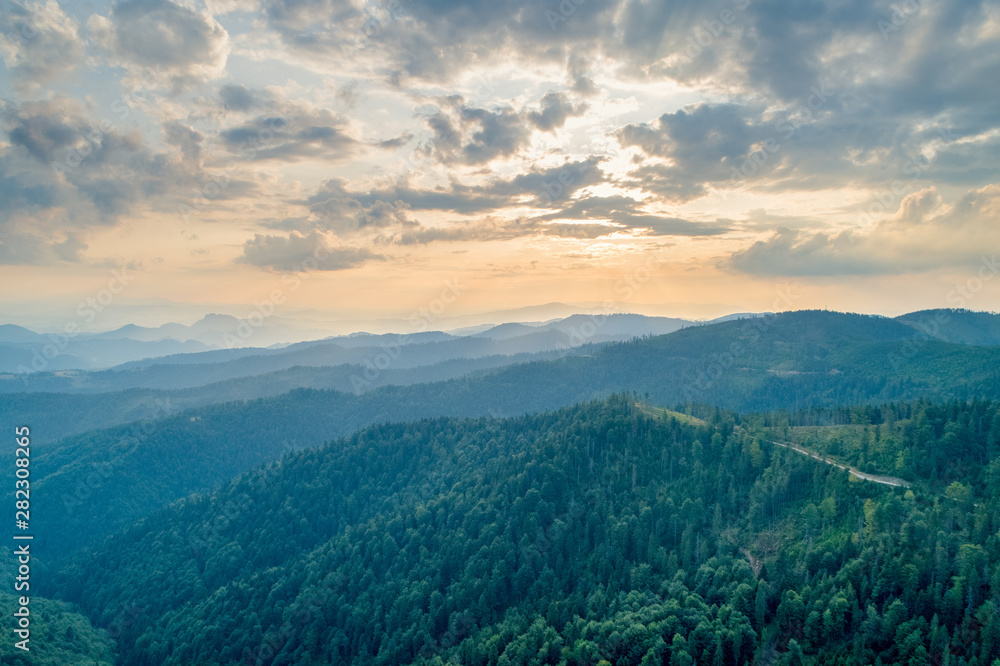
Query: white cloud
(924,234)
(163,42)
(303,252)
(38,43)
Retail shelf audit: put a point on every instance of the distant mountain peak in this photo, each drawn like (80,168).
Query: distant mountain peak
(216,323)
(216,317)
(15,333)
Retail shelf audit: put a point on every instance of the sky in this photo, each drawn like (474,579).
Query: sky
(331,160)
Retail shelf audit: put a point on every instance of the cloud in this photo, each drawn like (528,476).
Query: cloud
(334,208)
(587,218)
(556,109)
(162,41)
(287,131)
(478,136)
(92,171)
(44,129)
(471,135)
(19,191)
(923,235)
(810,97)
(63,173)
(297,252)
(767,58)
(185,138)
(497,229)
(238,98)
(701,145)
(315,27)
(32,249)
(395,142)
(38,43)
(434,40)
(578,75)
(627,214)
(385,212)
(550,185)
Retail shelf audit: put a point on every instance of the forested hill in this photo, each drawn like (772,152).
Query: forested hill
(97,482)
(949,325)
(59,636)
(594,535)
(60,415)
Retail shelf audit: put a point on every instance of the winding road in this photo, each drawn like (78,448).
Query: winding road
(885,480)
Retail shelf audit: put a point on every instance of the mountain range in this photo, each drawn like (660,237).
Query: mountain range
(204,483)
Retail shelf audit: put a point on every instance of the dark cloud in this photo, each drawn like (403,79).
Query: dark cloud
(43,130)
(578,75)
(318,28)
(482,230)
(493,229)
(461,199)
(20,190)
(385,212)
(303,252)
(348,94)
(704,144)
(284,130)
(395,142)
(295,134)
(185,138)
(237,98)
(556,109)
(487,135)
(791,252)
(471,135)
(549,186)
(822,94)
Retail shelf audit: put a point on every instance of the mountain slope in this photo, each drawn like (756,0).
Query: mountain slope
(196,370)
(594,533)
(59,415)
(86,353)
(17,334)
(961,326)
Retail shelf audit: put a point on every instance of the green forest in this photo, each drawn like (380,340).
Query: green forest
(603,533)
(59,635)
